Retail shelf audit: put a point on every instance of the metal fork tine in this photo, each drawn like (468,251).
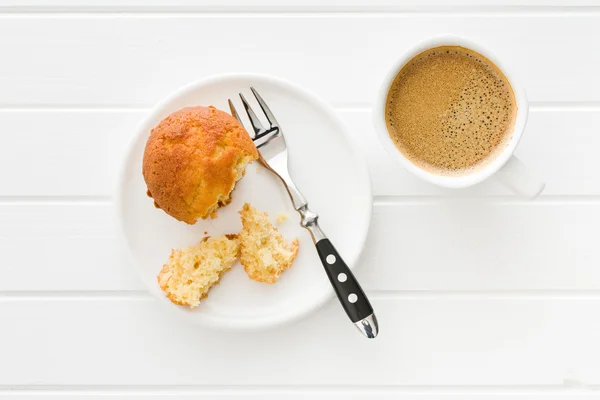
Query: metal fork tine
(234,111)
(256,124)
(265,108)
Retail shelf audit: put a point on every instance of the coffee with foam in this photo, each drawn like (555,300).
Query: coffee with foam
(450,110)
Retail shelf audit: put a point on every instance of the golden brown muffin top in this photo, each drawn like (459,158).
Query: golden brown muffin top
(192,161)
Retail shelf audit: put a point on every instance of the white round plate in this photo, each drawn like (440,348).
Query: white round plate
(326,167)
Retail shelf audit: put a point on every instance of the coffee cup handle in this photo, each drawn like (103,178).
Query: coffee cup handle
(520,179)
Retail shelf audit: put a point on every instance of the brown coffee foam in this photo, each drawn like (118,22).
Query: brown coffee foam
(450,110)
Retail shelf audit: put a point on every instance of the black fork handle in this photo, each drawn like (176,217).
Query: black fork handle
(348,290)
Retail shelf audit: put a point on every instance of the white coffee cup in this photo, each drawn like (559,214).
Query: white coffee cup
(506,167)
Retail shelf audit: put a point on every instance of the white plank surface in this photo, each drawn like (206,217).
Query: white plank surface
(69,247)
(502,246)
(469,245)
(298,393)
(424,341)
(53,142)
(480,295)
(136,60)
(281,5)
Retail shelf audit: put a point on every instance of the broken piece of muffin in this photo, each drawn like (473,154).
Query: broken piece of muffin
(192,271)
(264,253)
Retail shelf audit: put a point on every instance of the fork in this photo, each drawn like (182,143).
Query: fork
(271,146)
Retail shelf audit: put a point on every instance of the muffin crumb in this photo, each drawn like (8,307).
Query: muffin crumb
(281,218)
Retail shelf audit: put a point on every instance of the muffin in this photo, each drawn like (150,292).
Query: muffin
(264,253)
(192,161)
(192,271)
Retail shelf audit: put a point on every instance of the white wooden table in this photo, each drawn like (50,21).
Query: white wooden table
(480,295)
